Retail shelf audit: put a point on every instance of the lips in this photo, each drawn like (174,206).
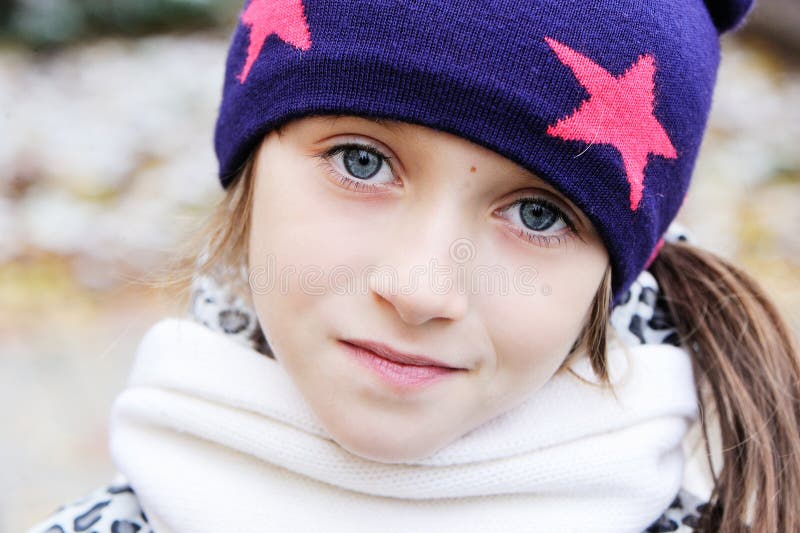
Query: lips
(386,352)
(404,373)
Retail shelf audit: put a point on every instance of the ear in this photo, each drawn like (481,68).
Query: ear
(728,14)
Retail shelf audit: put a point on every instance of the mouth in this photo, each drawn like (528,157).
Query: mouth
(387,352)
(405,371)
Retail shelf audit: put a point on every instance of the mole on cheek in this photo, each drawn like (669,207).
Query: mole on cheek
(472,169)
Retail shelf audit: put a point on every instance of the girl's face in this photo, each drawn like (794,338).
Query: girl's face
(430,244)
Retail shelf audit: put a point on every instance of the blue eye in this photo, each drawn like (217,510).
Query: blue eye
(538,220)
(538,216)
(361,163)
(357,166)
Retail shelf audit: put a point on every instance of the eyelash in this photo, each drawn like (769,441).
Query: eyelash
(360,186)
(350,183)
(546,241)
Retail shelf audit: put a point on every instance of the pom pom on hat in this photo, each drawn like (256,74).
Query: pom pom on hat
(728,15)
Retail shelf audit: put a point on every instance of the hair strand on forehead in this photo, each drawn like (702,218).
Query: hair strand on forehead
(593,339)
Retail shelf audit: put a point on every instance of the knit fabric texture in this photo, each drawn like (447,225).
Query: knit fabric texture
(605,100)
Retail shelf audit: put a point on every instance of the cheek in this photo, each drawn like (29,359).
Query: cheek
(306,222)
(283,255)
(531,341)
(304,241)
(532,333)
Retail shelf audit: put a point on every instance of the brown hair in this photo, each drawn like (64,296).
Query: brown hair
(593,338)
(747,370)
(746,364)
(218,247)
(745,361)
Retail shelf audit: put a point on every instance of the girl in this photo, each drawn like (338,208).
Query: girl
(444,289)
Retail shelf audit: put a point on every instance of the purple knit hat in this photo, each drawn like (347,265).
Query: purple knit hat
(605,100)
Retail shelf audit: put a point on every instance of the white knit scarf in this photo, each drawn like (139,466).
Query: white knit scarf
(213,437)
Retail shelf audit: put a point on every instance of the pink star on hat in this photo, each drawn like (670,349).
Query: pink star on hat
(285,18)
(619,112)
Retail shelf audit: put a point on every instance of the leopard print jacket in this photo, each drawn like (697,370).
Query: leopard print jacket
(640,318)
(115,509)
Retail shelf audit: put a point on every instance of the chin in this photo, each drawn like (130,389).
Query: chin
(386,452)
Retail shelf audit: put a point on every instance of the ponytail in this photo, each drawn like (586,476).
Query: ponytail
(747,372)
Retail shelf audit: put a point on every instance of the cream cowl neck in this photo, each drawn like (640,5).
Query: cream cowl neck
(214,437)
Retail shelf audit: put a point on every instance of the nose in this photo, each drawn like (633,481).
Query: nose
(423,276)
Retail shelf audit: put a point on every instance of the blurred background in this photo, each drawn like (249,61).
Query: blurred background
(106,162)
